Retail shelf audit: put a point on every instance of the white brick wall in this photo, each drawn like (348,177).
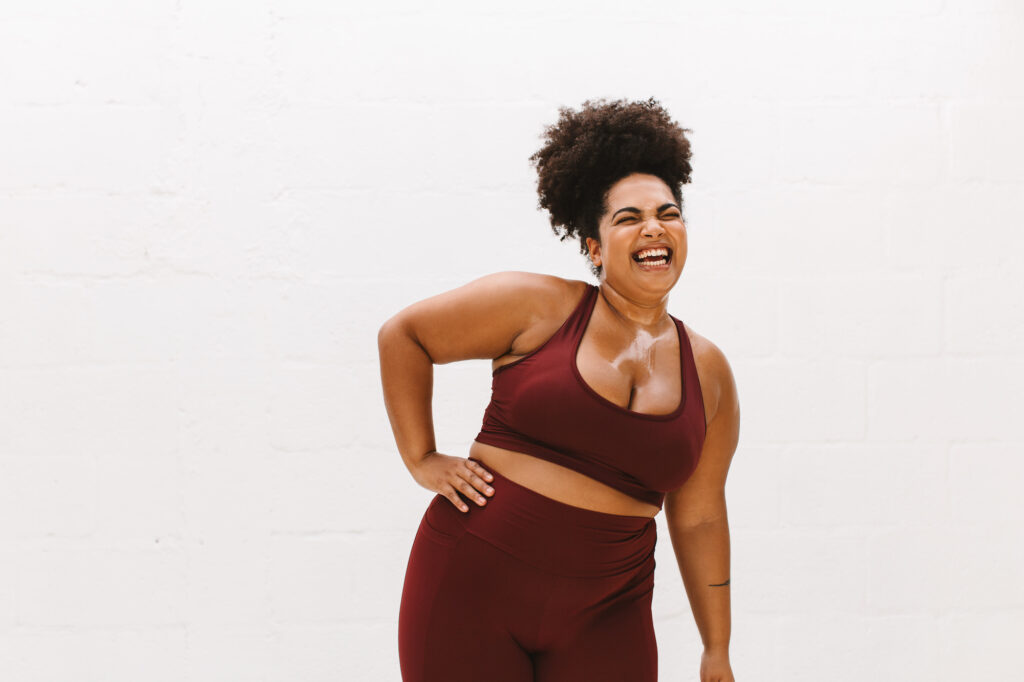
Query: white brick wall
(197,478)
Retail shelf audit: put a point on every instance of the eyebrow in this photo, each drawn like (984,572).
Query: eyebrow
(637,210)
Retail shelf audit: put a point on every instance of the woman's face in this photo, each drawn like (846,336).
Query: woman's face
(641,214)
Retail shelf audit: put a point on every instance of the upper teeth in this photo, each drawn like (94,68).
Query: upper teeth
(661,251)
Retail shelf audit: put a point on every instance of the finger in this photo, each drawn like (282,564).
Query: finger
(475,467)
(478,483)
(454,498)
(468,490)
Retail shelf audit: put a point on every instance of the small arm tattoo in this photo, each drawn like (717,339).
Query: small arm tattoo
(721,584)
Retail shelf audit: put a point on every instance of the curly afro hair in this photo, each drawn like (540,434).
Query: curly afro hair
(588,151)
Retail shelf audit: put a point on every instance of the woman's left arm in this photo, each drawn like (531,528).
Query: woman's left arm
(698,524)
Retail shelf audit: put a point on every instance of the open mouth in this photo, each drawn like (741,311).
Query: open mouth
(653,259)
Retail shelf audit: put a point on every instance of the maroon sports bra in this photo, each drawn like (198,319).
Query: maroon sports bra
(540,405)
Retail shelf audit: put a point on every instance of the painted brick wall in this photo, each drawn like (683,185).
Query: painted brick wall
(208,208)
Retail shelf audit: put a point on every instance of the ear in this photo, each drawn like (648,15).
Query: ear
(594,249)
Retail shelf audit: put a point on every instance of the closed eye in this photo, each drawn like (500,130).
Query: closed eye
(667,215)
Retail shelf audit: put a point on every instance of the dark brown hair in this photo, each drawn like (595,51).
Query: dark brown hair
(588,151)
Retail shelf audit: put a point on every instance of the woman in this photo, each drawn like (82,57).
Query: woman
(535,560)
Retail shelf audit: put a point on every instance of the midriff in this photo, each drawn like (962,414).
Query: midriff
(558,482)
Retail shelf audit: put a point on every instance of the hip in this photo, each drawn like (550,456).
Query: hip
(550,535)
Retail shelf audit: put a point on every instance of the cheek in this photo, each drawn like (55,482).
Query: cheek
(680,235)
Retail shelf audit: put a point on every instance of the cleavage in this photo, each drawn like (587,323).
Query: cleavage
(612,368)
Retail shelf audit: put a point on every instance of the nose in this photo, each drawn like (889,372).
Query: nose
(653,228)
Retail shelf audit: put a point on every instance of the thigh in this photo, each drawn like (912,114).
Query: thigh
(452,624)
(617,644)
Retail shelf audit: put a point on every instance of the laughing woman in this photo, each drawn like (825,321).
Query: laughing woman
(534,562)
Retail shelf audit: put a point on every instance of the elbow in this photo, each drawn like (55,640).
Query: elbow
(391,328)
(386,337)
(394,330)
(695,514)
(385,331)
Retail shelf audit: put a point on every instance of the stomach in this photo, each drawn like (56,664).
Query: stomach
(558,482)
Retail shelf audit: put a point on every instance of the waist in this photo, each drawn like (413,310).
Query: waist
(559,483)
(555,536)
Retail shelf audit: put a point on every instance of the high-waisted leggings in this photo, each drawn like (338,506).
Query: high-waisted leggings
(528,589)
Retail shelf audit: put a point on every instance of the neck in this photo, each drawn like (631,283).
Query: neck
(646,312)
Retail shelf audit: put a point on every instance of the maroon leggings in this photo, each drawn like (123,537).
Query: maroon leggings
(528,589)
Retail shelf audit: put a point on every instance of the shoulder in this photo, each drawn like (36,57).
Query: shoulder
(548,296)
(718,383)
(537,284)
(550,300)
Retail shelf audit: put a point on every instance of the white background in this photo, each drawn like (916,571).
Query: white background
(208,208)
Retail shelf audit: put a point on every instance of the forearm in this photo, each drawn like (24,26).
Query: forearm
(407,379)
(702,553)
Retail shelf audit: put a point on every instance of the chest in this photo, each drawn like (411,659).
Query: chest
(634,369)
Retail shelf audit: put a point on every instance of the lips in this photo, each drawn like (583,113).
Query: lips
(647,267)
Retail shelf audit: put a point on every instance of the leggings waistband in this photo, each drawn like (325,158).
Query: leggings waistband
(558,537)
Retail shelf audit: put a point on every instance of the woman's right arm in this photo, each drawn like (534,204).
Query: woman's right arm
(478,320)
